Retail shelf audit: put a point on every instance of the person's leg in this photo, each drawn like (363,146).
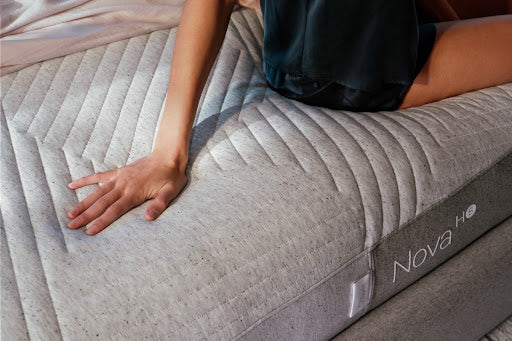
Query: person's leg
(468,9)
(467,55)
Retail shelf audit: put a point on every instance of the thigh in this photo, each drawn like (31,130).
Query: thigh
(467,55)
(467,9)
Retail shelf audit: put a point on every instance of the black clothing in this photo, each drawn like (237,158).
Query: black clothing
(344,54)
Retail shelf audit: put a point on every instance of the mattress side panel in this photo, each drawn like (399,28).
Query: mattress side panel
(319,312)
(460,300)
(417,248)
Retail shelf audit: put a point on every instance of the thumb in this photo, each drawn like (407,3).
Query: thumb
(160,203)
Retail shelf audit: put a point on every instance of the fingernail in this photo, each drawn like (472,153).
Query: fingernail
(88,230)
(71,224)
(153,214)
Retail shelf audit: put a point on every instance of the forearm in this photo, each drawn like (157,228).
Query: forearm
(200,34)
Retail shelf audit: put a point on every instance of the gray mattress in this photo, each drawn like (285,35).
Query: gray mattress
(297,220)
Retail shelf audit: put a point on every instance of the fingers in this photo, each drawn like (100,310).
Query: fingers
(89,200)
(93,179)
(116,210)
(124,189)
(162,200)
(97,207)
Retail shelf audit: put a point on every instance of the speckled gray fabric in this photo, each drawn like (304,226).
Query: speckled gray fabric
(287,204)
(461,300)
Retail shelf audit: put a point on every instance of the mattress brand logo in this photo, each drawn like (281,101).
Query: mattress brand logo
(442,242)
(467,214)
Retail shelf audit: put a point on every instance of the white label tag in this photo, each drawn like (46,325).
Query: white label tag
(360,294)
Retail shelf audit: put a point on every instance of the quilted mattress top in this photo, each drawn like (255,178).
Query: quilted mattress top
(281,194)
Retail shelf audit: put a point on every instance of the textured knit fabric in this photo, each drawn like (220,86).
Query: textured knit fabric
(371,45)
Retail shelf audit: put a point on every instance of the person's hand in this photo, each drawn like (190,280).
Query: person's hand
(126,188)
